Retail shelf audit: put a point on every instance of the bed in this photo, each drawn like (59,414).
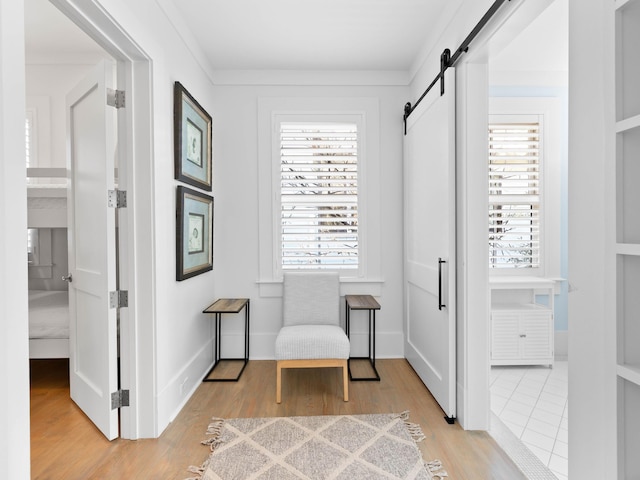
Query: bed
(48,324)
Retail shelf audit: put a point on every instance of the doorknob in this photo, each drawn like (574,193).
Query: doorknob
(68,278)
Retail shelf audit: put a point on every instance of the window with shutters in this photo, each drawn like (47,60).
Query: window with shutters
(31,158)
(319,190)
(515,193)
(319,195)
(28,137)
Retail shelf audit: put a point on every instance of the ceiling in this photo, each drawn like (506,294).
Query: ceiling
(48,33)
(272,34)
(365,35)
(311,34)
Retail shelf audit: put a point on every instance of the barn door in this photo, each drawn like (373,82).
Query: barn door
(92,249)
(429,181)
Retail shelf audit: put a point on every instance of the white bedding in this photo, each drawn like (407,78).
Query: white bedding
(48,314)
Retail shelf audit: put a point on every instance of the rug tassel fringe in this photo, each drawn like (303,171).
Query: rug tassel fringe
(215,430)
(199,471)
(415,430)
(435,467)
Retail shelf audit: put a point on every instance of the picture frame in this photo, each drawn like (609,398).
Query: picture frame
(194,233)
(192,127)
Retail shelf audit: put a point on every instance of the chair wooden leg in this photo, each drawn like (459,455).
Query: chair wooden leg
(278,382)
(345,380)
(318,363)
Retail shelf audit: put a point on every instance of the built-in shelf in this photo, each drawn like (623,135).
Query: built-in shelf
(626,254)
(628,193)
(628,428)
(628,124)
(628,324)
(621,3)
(630,373)
(632,249)
(627,68)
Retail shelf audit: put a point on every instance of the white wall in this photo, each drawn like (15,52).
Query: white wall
(538,56)
(236,185)
(592,440)
(14,347)
(49,84)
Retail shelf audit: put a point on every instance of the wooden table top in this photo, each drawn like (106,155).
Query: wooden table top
(227,305)
(362,302)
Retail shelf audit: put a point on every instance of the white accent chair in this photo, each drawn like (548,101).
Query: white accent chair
(311,335)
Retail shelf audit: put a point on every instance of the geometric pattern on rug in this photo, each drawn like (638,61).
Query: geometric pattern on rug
(328,447)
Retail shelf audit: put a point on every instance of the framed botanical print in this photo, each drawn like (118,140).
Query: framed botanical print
(194,233)
(192,140)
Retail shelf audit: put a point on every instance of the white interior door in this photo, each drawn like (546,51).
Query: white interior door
(429,180)
(92,248)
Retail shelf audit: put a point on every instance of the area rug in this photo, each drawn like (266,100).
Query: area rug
(337,447)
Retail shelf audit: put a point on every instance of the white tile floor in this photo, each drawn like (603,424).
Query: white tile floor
(532,402)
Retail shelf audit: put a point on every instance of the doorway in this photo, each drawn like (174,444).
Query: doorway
(528,85)
(52,71)
(133,75)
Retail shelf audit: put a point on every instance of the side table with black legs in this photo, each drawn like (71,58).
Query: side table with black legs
(363,302)
(219,307)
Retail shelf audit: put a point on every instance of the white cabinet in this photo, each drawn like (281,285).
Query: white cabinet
(521,329)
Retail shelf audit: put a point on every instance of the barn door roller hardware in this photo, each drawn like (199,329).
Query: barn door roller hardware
(447,60)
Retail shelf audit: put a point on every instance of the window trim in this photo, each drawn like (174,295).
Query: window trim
(366,112)
(548,109)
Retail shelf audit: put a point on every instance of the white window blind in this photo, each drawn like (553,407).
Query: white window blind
(28,137)
(514,195)
(319,195)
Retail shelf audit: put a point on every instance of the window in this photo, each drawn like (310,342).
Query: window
(30,139)
(28,135)
(319,195)
(322,208)
(514,194)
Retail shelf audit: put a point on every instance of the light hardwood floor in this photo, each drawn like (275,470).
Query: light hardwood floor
(65,445)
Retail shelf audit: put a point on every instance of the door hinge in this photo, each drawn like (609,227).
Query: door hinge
(115,98)
(119,399)
(119,299)
(117,198)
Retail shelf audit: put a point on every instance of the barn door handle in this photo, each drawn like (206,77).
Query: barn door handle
(440,304)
